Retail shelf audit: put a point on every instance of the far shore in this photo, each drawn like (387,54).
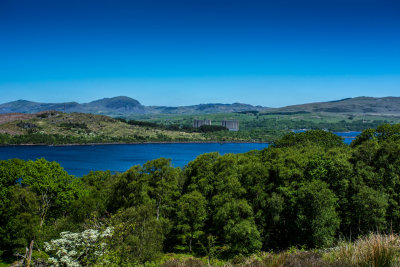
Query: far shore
(147,143)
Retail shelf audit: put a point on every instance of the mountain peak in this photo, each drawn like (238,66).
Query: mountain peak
(117,100)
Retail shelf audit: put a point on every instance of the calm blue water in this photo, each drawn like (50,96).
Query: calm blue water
(80,160)
(348,137)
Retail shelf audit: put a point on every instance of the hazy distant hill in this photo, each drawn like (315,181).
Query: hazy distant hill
(24,106)
(205,109)
(119,104)
(122,105)
(357,105)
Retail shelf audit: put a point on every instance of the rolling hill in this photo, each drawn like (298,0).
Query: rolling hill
(357,105)
(122,106)
(69,128)
(126,106)
(106,106)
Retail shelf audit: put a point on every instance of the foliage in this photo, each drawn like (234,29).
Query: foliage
(319,137)
(35,193)
(308,190)
(138,236)
(211,128)
(317,220)
(191,216)
(80,128)
(77,249)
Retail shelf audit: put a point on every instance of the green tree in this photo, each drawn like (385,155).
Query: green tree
(237,227)
(317,137)
(317,220)
(47,190)
(163,182)
(10,173)
(55,187)
(370,208)
(191,216)
(138,236)
(22,219)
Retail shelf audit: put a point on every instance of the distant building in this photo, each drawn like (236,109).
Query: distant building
(231,125)
(198,123)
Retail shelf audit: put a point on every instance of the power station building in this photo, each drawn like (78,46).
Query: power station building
(198,123)
(231,125)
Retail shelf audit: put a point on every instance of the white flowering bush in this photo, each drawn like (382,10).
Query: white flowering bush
(75,249)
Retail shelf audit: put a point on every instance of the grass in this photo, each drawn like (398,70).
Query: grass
(4,262)
(375,250)
(300,258)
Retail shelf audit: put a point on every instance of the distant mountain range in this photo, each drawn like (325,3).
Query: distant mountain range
(356,105)
(123,106)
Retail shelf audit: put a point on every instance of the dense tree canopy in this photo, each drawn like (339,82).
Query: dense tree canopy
(308,189)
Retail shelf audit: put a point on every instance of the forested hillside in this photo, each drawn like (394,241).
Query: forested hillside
(308,190)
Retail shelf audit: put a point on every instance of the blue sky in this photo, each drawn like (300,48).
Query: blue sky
(270,53)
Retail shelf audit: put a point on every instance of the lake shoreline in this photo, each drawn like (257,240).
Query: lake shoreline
(146,143)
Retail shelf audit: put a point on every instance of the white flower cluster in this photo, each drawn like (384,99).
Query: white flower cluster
(71,248)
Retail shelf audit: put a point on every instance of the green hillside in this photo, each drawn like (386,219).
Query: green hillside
(356,105)
(255,126)
(266,126)
(60,127)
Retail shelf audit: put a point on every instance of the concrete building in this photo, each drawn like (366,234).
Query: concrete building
(231,125)
(198,123)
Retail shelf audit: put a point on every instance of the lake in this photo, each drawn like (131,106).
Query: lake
(80,160)
(348,137)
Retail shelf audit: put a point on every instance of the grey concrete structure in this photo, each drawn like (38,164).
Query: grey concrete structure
(231,125)
(198,123)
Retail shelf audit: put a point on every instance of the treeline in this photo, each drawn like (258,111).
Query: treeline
(175,127)
(58,139)
(289,124)
(262,129)
(308,189)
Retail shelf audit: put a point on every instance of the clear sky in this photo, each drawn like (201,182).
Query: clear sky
(170,52)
